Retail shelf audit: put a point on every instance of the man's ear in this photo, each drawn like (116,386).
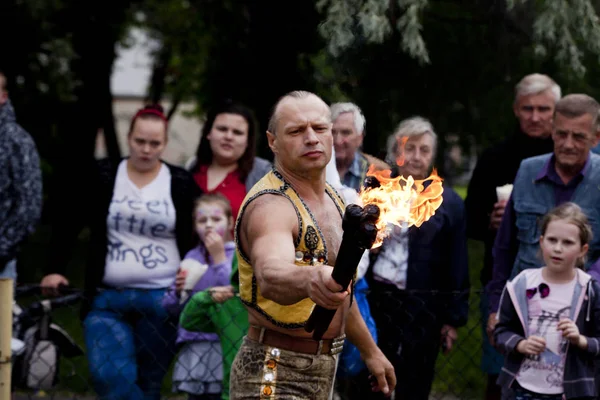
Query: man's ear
(515,108)
(272,140)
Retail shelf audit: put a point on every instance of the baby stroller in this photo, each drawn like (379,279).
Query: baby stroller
(37,343)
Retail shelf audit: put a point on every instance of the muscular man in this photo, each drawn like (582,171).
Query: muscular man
(287,235)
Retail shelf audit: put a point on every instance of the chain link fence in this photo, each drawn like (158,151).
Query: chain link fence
(62,358)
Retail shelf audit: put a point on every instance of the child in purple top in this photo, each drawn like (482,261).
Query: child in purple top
(198,369)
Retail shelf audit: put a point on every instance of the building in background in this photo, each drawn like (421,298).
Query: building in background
(129,86)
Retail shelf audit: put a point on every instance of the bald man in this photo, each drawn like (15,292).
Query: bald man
(288,234)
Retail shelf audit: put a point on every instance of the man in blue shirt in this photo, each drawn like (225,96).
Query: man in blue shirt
(570,173)
(535,98)
(348,134)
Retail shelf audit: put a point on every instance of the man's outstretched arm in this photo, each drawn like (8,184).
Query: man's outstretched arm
(267,237)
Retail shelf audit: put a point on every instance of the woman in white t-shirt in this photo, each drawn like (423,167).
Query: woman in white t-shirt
(140,220)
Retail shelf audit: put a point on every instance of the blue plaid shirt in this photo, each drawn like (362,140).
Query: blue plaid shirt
(357,172)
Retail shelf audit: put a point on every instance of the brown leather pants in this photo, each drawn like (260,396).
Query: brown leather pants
(264,372)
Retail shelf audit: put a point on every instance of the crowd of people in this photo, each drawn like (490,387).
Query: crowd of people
(258,241)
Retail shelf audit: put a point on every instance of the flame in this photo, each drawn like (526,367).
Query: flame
(401,143)
(403,202)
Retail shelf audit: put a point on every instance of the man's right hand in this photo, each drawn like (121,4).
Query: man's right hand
(491,325)
(50,284)
(497,213)
(324,290)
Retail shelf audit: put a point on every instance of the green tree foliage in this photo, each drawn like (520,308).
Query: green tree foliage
(455,62)
(566,28)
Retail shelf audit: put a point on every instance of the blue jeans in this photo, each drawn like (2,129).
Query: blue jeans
(9,271)
(130,342)
(524,394)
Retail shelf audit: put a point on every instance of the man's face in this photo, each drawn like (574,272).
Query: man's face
(573,140)
(418,156)
(346,139)
(303,140)
(535,112)
(3,92)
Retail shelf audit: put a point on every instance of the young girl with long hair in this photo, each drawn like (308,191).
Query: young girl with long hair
(549,317)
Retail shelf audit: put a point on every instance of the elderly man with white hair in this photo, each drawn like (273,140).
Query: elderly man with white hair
(348,134)
(535,98)
(419,279)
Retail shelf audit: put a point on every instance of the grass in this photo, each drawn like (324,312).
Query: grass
(458,373)
(461,190)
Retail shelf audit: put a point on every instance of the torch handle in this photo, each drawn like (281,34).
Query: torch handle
(349,256)
(348,259)
(319,321)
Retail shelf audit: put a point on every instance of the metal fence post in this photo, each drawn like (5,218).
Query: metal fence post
(6,302)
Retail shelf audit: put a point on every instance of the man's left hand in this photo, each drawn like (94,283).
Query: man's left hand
(449,336)
(382,372)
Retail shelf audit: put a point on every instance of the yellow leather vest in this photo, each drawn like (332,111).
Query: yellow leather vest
(310,247)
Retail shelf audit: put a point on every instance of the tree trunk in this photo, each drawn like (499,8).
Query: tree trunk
(97,32)
(108,125)
(159,74)
(174,107)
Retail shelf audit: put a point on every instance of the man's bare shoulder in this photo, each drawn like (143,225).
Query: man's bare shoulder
(269,202)
(268,210)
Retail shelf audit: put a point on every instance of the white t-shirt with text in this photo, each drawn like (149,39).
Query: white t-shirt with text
(142,249)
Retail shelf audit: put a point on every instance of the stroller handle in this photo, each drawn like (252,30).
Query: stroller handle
(36,289)
(41,307)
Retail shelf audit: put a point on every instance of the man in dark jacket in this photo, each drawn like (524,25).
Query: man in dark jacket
(535,98)
(20,185)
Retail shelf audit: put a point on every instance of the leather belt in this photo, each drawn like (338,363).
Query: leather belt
(298,345)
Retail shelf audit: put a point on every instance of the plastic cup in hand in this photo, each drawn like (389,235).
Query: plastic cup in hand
(195,270)
(503,192)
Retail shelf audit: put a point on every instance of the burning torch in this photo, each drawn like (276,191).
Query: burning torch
(359,235)
(401,201)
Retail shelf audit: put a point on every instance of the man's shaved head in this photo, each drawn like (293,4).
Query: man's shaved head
(295,95)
